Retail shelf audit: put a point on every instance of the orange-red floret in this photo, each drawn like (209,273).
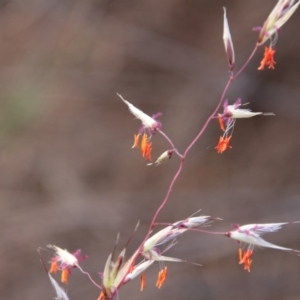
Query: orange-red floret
(146,147)
(143,282)
(136,141)
(221,123)
(102,296)
(245,258)
(268,59)
(223,144)
(64,276)
(161,278)
(53,267)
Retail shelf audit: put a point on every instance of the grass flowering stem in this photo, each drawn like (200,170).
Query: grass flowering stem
(170,141)
(89,276)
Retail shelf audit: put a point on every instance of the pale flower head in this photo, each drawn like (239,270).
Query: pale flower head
(172,231)
(228,42)
(138,270)
(161,237)
(235,112)
(279,15)
(149,123)
(116,274)
(227,121)
(64,257)
(251,234)
(193,222)
(65,261)
(228,118)
(162,158)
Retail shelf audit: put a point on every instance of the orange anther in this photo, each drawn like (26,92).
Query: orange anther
(268,59)
(223,144)
(221,123)
(161,278)
(143,282)
(245,259)
(146,147)
(64,276)
(102,296)
(136,141)
(53,267)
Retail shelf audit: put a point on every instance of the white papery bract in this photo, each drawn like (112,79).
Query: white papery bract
(148,122)
(60,292)
(64,257)
(279,15)
(228,42)
(251,234)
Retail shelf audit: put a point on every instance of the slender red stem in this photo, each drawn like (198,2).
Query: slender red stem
(166,197)
(170,141)
(246,63)
(89,276)
(165,200)
(212,116)
(209,119)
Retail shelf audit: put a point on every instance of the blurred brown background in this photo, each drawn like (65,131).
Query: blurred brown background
(69,176)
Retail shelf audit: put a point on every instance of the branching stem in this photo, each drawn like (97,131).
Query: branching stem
(211,117)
